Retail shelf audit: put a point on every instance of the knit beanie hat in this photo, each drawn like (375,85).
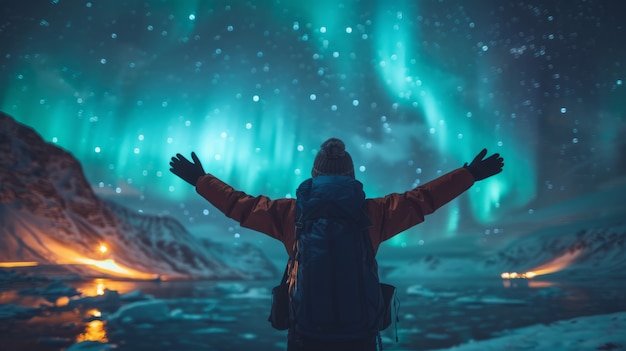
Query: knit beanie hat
(333,159)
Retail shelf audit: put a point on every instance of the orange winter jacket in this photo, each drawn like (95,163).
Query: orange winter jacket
(390,215)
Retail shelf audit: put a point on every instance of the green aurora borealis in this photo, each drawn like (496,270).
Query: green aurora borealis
(414,88)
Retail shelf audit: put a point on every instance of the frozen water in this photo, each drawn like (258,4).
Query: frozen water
(455,314)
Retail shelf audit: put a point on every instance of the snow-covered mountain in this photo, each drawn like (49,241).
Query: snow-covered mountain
(585,248)
(576,248)
(50,215)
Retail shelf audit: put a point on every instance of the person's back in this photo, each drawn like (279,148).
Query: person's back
(335,295)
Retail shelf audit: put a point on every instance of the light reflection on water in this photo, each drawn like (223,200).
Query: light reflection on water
(7,296)
(62,320)
(530,283)
(419,315)
(97,287)
(95,329)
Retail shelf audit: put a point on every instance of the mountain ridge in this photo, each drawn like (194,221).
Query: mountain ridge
(50,214)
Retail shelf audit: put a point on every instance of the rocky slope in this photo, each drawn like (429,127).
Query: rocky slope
(49,214)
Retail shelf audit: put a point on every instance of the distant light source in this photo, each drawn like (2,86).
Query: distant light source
(17,264)
(103,248)
(554,265)
(515,275)
(112,267)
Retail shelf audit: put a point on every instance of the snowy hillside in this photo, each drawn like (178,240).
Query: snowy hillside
(50,214)
(572,249)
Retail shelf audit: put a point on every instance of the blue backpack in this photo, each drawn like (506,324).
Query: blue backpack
(334,289)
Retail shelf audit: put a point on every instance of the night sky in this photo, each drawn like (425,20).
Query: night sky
(414,88)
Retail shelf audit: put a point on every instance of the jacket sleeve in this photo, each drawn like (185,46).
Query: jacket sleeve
(396,213)
(260,213)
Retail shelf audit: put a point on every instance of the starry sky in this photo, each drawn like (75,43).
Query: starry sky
(414,88)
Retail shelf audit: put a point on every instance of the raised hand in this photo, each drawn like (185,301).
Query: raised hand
(187,170)
(484,168)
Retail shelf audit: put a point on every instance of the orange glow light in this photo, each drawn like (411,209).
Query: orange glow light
(100,288)
(555,265)
(515,275)
(17,264)
(111,267)
(62,254)
(558,263)
(62,301)
(94,330)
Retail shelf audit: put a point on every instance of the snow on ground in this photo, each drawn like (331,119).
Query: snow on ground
(603,332)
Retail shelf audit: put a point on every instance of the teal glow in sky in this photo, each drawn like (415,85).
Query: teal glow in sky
(414,88)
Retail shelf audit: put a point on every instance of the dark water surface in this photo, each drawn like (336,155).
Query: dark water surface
(433,313)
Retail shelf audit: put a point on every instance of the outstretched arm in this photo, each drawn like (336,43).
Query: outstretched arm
(272,217)
(396,213)
(260,213)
